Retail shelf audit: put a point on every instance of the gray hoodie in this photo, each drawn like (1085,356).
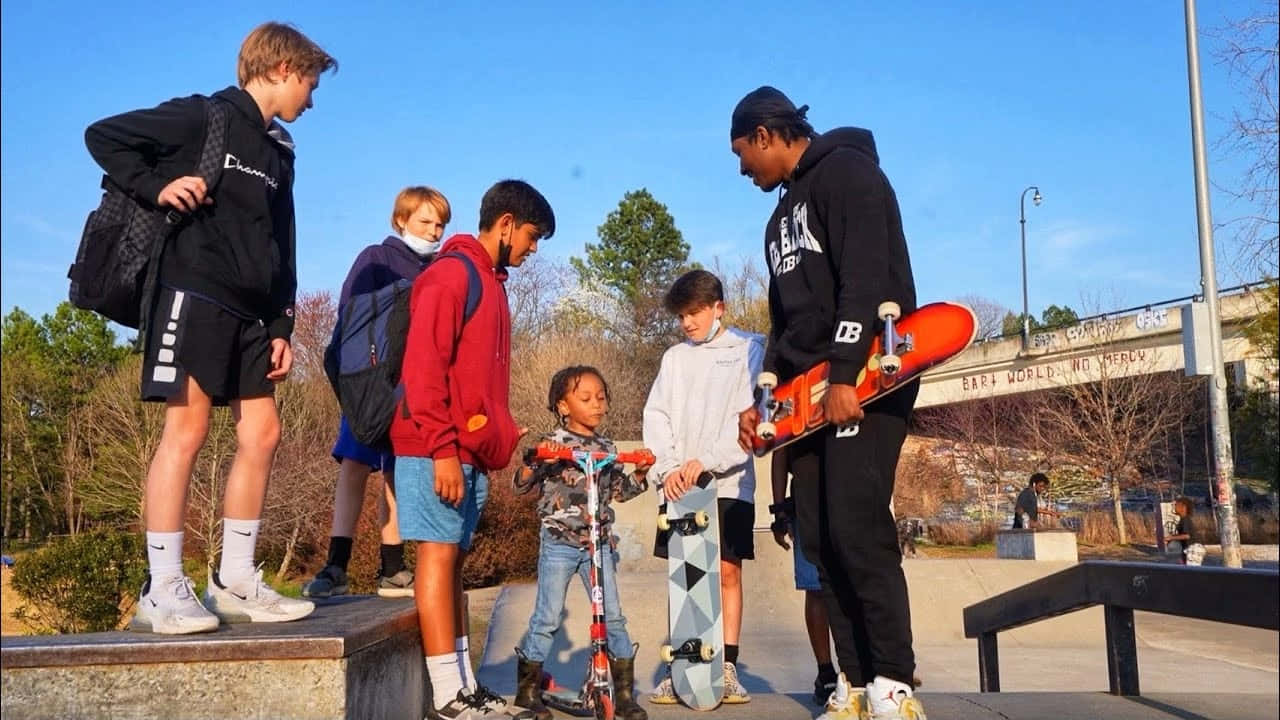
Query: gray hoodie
(693,406)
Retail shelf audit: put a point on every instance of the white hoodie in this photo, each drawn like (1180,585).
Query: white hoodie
(693,406)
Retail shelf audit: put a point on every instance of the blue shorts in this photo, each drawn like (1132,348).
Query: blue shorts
(348,448)
(806,572)
(423,516)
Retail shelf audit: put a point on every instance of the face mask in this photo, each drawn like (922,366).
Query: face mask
(715,329)
(420,246)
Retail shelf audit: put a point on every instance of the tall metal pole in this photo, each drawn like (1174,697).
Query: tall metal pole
(1022,218)
(1219,423)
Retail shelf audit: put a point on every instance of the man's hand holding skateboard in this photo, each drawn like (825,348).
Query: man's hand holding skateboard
(840,405)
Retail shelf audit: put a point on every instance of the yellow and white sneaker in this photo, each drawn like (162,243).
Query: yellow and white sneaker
(893,700)
(846,702)
(665,693)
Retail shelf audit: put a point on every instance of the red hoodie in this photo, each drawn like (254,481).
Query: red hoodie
(455,371)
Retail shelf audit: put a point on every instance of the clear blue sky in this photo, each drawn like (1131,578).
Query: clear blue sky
(970,102)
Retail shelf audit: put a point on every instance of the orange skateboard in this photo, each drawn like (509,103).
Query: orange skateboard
(931,335)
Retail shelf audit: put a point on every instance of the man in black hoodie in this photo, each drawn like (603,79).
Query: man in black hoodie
(221,322)
(835,251)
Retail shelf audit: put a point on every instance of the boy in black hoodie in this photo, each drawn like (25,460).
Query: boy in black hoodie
(223,315)
(835,251)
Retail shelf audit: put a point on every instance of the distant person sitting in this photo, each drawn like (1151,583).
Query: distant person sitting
(1179,538)
(1027,510)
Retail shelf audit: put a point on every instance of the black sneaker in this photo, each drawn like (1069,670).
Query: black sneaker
(822,689)
(330,581)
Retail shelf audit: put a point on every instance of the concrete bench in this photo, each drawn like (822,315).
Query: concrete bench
(1051,544)
(354,657)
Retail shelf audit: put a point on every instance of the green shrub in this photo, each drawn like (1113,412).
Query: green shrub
(86,583)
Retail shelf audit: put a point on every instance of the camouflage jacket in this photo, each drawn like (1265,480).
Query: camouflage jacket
(562,504)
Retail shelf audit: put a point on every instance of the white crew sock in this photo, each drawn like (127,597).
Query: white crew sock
(239,539)
(462,646)
(164,555)
(446,678)
(886,695)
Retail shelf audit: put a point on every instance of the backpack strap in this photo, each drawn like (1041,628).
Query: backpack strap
(214,148)
(475,287)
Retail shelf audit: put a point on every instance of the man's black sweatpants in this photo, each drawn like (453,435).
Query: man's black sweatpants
(842,485)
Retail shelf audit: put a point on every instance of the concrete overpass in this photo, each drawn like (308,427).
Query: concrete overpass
(1141,340)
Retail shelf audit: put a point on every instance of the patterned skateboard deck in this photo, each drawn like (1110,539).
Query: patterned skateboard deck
(930,336)
(693,598)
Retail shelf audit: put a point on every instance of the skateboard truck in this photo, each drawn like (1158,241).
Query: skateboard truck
(765,383)
(687,525)
(891,343)
(691,650)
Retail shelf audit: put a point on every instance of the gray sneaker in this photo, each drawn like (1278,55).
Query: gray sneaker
(330,581)
(398,585)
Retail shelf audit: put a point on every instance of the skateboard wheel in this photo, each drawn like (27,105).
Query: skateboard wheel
(663,522)
(706,653)
(667,653)
(890,364)
(766,380)
(889,310)
(766,430)
(701,519)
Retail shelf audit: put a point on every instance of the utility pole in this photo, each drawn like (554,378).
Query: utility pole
(1219,422)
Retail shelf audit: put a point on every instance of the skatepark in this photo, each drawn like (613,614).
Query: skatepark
(1056,668)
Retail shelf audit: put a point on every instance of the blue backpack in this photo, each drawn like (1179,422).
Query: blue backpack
(365,354)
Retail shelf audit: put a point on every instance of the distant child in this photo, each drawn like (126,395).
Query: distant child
(418,219)
(579,398)
(222,316)
(691,423)
(453,426)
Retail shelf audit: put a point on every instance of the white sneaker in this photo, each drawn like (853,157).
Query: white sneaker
(893,700)
(252,600)
(170,607)
(846,702)
(665,693)
(734,693)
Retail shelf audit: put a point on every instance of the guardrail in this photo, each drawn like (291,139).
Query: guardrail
(1240,597)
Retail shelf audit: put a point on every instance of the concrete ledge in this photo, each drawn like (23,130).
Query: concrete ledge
(354,657)
(1051,545)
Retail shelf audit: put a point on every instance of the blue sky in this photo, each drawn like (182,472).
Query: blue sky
(970,103)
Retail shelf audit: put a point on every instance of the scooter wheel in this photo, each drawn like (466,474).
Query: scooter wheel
(888,310)
(667,653)
(766,430)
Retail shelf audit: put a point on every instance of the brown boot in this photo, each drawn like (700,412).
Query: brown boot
(529,688)
(624,683)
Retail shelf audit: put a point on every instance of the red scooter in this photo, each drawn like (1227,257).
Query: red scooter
(595,698)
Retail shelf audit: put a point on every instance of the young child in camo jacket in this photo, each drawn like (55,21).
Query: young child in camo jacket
(579,398)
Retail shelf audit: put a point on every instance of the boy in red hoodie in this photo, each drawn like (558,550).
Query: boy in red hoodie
(453,426)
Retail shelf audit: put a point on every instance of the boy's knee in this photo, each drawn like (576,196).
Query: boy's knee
(262,436)
(186,436)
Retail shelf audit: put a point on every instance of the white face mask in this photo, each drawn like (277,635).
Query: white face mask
(420,246)
(711,334)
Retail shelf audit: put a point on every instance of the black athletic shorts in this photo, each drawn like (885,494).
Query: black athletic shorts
(737,527)
(228,355)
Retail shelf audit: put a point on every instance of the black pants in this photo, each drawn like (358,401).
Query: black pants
(842,486)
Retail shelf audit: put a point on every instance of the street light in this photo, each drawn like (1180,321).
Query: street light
(1022,205)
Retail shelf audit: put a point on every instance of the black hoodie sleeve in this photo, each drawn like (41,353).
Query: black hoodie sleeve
(851,199)
(770,363)
(140,150)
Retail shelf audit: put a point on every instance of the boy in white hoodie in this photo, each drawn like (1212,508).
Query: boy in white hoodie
(691,424)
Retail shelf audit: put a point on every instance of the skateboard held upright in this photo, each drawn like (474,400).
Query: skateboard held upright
(905,348)
(696,649)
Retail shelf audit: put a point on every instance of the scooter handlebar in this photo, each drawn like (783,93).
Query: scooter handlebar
(636,457)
